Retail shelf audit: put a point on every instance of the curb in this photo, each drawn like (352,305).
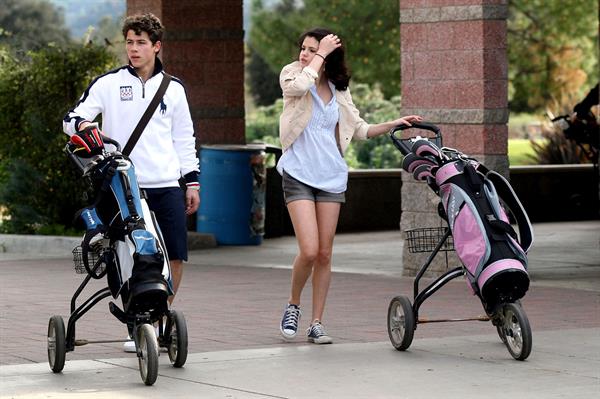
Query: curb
(50,245)
(200,241)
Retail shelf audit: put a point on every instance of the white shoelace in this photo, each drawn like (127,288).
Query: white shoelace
(318,330)
(291,317)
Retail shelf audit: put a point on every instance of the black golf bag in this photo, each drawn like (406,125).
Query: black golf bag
(122,238)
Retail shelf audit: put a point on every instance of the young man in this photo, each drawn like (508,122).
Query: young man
(166,149)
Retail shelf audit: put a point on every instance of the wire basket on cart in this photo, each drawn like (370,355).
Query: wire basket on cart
(426,239)
(93,258)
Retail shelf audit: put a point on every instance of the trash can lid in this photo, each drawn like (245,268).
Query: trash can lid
(235,147)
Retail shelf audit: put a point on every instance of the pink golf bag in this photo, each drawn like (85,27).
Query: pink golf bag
(474,201)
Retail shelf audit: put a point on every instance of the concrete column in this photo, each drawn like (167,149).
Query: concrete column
(203,46)
(454,74)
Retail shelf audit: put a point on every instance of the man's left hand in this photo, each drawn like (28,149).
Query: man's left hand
(192,201)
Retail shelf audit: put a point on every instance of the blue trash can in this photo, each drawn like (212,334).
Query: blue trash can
(232,196)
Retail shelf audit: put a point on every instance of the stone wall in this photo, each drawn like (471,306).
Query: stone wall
(203,46)
(454,74)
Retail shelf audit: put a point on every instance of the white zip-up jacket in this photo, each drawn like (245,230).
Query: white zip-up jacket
(166,150)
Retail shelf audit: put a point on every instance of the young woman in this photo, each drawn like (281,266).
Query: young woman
(317,123)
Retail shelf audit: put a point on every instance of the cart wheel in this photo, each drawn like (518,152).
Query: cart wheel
(178,339)
(401,322)
(57,348)
(517,331)
(501,334)
(147,353)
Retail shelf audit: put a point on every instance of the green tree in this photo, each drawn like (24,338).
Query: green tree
(264,81)
(108,32)
(552,50)
(264,60)
(31,24)
(370,31)
(38,186)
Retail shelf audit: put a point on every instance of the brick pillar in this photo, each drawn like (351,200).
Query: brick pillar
(454,74)
(203,46)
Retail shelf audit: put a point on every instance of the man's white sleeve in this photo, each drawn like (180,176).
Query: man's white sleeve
(89,106)
(184,140)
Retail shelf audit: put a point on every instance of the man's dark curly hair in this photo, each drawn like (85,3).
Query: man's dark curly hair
(148,23)
(335,63)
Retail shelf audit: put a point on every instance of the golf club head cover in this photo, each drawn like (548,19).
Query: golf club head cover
(88,142)
(425,148)
(422,171)
(411,161)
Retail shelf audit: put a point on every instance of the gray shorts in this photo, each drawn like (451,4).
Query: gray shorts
(294,190)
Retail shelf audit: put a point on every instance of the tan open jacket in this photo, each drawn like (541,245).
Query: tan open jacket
(295,82)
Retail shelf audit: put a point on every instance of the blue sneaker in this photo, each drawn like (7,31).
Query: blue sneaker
(289,322)
(316,334)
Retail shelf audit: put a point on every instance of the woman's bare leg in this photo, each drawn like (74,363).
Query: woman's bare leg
(304,219)
(327,219)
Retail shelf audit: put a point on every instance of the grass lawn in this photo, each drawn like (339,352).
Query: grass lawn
(519,151)
(520,129)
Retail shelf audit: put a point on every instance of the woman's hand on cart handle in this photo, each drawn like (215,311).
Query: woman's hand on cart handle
(404,145)
(408,120)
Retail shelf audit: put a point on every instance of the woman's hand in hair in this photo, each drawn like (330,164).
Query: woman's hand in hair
(328,44)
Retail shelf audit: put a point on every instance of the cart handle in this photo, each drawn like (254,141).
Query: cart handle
(401,143)
(108,140)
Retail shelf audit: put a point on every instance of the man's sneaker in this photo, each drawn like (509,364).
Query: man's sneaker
(160,348)
(316,334)
(129,346)
(289,322)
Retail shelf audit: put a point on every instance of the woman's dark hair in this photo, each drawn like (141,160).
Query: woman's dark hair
(148,23)
(335,63)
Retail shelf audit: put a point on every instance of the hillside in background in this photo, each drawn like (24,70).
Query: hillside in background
(81,14)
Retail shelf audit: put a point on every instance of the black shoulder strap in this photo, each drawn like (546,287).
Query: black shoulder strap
(507,194)
(137,132)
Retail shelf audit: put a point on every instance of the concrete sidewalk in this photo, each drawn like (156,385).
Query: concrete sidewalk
(233,296)
(564,254)
(476,366)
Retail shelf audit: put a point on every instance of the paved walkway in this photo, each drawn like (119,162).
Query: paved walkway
(232,298)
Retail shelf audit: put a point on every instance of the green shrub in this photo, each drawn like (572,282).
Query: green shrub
(263,123)
(556,149)
(38,186)
(379,152)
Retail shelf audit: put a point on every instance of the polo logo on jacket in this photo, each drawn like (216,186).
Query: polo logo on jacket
(126,93)
(163,106)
